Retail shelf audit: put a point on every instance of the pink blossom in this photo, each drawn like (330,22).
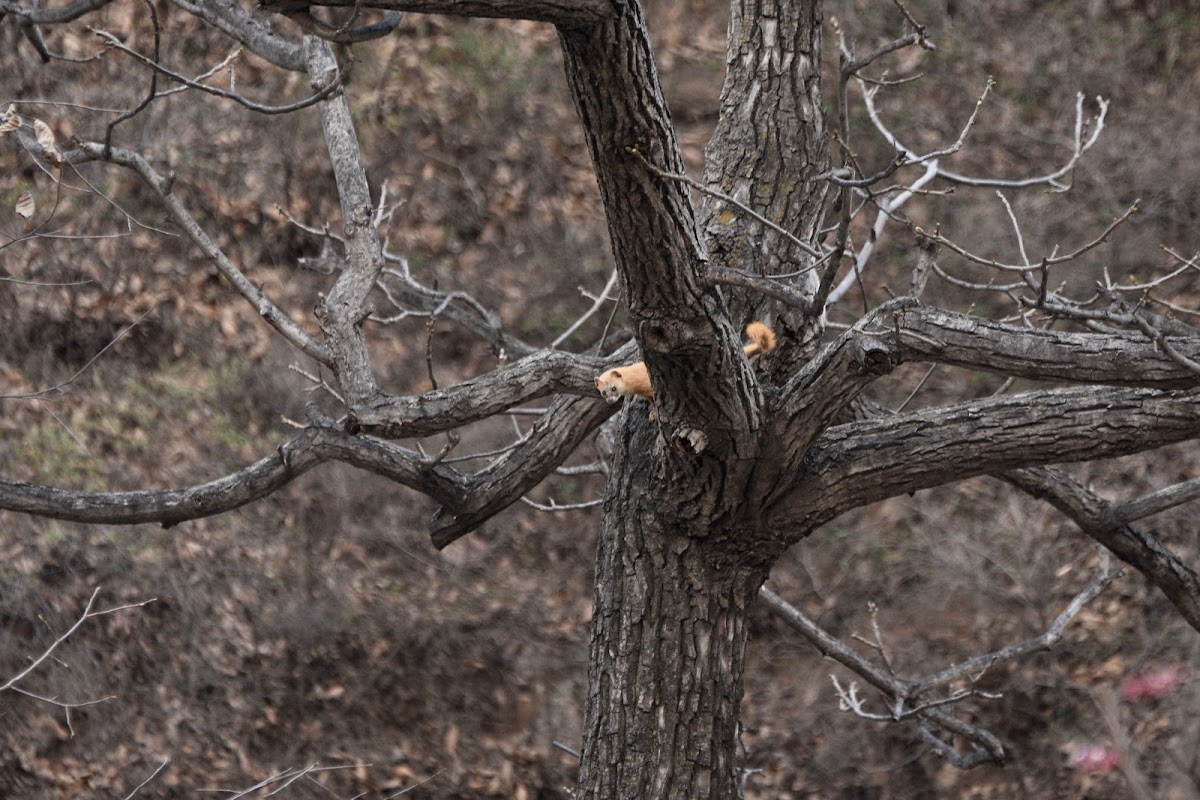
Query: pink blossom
(1096,758)
(1152,685)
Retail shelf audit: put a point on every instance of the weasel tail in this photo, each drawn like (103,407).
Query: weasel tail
(762,340)
(634,379)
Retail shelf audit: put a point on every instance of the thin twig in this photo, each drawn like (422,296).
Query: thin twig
(1048,261)
(600,300)
(84,368)
(334,84)
(740,206)
(153,775)
(552,506)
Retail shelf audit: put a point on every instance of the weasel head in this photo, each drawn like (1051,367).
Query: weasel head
(609,385)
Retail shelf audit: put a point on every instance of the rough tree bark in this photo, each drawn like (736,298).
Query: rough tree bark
(684,549)
(743,459)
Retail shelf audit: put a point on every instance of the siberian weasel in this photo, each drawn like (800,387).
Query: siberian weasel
(635,379)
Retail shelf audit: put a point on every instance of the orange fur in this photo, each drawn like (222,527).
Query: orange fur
(762,340)
(634,379)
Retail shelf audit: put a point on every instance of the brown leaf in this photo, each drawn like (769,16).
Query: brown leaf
(45,138)
(25,205)
(10,121)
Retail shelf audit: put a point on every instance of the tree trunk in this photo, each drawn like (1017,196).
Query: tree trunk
(668,643)
(683,549)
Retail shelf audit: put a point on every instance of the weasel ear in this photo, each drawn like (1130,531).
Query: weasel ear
(616,373)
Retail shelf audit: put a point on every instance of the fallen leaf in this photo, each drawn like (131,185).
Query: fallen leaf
(25,205)
(10,121)
(45,138)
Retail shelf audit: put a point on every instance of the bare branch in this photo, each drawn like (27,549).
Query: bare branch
(1052,179)
(153,775)
(904,331)
(564,13)
(342,313)
(88,613)
(600,300)
(36,662)
(458,306)
(311,447)
(1155,334)
(1109,525)
(858,463)
(886,211)
(945,337)
(853,65)
(284,778)
(971,668)
(151,94)
(556,435)
(63,384)
(539,375)
(292,332)
(331,85)
(767,286)
(347,33)
(413,297)
(248,29)
(899,689)
(740,206)
(912,157)
(903,695)
(1046,261)
(553,506)
(1156,502)
(38,15)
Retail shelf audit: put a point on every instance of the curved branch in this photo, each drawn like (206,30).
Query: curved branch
(859,463)
(769,287)
(541,374)
(1050,260)
(1115,358)
(557,433)
(332,84)
(904,695)
(457,306)
(36,15)
(564,13)
(1108,524)
(1051,179)
(904,331)
(292,459)
(280,321)
(151,95)
(466,502)
(348,34)
(248,29)
(410,295)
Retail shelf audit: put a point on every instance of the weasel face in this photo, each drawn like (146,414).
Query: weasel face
(609,387)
